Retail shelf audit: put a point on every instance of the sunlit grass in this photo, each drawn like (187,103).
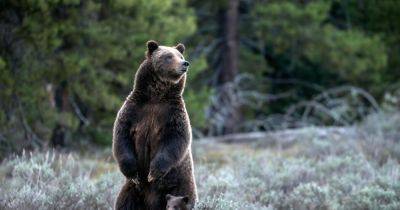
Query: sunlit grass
(310,168)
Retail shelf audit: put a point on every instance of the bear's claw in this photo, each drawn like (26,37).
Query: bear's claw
(135,180)
(150,178)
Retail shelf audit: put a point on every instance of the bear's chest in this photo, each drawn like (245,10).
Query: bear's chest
(148,129)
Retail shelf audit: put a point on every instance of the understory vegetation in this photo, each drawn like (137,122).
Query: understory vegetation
(309,168)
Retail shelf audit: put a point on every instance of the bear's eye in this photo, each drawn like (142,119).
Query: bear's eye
(169,57)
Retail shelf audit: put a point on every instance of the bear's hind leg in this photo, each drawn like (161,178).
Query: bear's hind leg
(155,200)
(129,198)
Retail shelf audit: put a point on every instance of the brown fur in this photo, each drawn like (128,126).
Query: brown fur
(152,134)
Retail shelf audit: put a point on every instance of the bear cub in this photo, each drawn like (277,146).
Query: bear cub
(177,202)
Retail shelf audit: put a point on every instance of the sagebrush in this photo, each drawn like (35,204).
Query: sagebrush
(316,168)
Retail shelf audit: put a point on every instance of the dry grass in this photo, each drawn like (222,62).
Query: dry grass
(309,168)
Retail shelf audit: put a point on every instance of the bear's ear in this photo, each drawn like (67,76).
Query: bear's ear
(180,47)
(151,46)
(168,196)
(185,199)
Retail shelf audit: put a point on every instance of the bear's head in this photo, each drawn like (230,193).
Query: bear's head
(177,202)
(168,62)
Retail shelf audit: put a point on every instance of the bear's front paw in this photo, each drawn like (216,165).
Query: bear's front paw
(128,168)
(150,178)
(154,175)
(135,180)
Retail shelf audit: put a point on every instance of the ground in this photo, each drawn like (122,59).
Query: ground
(309,168)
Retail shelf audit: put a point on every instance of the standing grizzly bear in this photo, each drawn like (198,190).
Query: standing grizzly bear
(152,134)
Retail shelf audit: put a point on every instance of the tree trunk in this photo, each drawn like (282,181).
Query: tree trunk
(61,102)
(229,56)
(230,46)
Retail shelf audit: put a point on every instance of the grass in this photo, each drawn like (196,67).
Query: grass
(310,168)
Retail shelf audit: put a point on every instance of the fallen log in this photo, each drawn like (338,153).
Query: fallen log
(282,137)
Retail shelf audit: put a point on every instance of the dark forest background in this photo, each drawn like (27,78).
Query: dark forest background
(256,65)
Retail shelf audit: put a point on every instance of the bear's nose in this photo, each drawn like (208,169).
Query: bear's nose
(185,63)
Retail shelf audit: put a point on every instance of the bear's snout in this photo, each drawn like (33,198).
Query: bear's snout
(185,63)
(185,66)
